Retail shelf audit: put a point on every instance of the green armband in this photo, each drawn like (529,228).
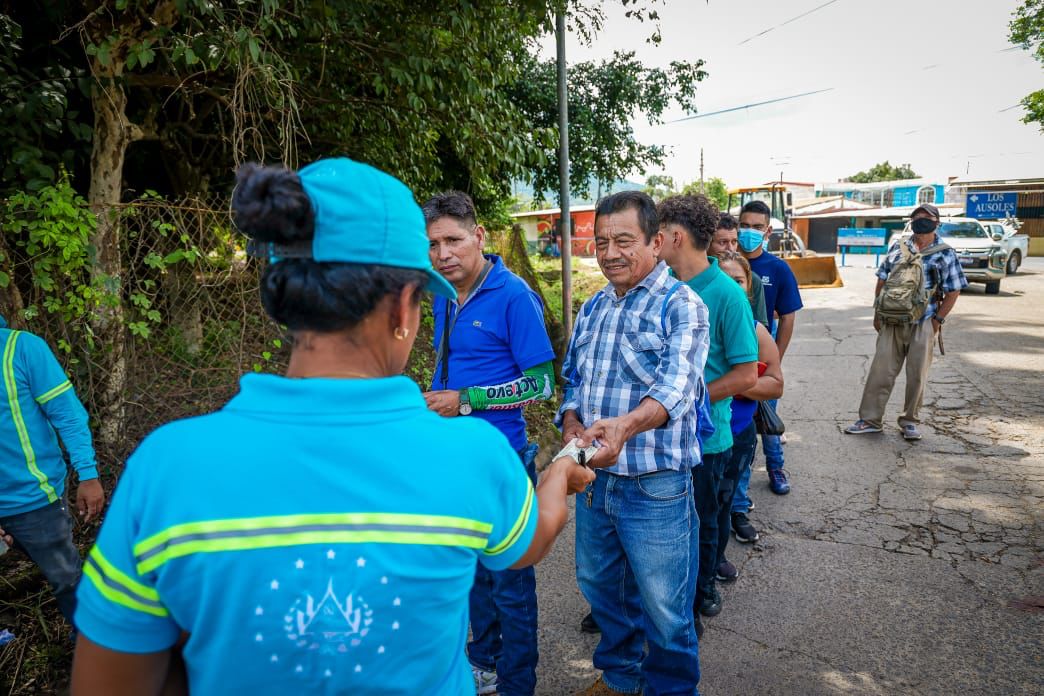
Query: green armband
(535,384)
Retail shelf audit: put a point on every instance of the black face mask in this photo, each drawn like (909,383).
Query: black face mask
(923,225)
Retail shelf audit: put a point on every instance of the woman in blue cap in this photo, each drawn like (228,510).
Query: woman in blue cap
(319,533)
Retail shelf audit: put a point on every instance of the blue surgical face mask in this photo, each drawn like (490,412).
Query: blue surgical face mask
(749,239)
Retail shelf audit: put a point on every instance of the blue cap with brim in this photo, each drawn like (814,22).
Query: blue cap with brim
(363,215)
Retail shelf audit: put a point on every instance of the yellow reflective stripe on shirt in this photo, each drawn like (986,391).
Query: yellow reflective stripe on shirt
(520,524)
(19,423)
(57,391)
(122,578)
(91,572)
(290,530)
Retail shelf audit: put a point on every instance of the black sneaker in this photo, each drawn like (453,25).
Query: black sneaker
(727,572)
(699,624)
(743,529)
(588,624)
(710,604)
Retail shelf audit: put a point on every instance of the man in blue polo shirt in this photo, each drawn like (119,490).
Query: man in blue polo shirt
(688,224)
(41,406)
(493,356)
(782,300)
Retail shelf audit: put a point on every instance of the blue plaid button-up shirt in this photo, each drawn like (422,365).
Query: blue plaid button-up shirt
(941,270)
(620,353)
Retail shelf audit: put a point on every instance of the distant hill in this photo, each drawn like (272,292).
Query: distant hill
(524,193)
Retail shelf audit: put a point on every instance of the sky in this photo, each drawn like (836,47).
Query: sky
(928,82)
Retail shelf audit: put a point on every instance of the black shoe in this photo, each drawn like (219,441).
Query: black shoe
(727,572)
(699,625)
(588,625)
(710,604)
(743,529)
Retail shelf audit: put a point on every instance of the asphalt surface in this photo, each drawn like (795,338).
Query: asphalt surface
(892,567)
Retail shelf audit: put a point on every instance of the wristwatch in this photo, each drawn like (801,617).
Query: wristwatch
(465,403)
(941,320)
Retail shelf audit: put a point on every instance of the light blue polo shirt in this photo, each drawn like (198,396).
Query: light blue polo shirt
(500,333)
(732,342)
(313,536)
(38,405)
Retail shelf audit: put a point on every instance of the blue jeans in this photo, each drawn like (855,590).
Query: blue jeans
(45,535)
(772,446)
(503,606)
(744,444)
(706,486)
(637,549)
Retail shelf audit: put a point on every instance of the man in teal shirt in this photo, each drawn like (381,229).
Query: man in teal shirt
(688,224)
(38,407)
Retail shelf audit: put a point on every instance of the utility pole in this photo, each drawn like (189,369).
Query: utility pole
(563,175)
(701,171)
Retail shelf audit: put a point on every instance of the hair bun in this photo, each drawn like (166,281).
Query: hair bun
(269,204)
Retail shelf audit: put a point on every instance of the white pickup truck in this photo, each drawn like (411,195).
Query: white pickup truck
(1006,233)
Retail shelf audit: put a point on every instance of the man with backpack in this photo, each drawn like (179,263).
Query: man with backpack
(917,287)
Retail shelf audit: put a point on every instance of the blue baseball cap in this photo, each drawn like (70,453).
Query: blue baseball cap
(363,215)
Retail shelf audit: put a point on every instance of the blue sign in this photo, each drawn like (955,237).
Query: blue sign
(861,236)
(989,206)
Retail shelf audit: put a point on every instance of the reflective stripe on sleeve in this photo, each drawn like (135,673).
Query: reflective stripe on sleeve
(520,524)
(120,588)
(57,391)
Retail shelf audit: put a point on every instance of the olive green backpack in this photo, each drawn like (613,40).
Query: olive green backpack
(904,299)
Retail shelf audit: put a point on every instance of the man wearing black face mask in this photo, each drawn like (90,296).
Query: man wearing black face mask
(909,339)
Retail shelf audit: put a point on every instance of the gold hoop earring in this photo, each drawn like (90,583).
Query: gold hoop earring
(401,333)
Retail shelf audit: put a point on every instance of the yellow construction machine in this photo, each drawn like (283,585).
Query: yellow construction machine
(811,270)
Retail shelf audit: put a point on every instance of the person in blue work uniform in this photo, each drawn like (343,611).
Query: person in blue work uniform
(40,407)
(493,356)
(319,533)
(782,302)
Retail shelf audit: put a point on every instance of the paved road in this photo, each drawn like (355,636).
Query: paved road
(892,568)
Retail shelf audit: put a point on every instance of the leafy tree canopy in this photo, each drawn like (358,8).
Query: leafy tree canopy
(438,93)
(883,172)
(1027,30)
(714,189)
(603,98)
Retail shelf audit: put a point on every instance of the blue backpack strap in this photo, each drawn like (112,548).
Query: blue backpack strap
(704,425)
(663,308)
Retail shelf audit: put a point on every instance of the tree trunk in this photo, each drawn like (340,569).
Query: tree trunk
(112,136)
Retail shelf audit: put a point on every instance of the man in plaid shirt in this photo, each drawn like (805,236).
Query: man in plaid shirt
(910,343)
(634,373)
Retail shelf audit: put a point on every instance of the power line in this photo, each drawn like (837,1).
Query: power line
(792,19)
(750,106)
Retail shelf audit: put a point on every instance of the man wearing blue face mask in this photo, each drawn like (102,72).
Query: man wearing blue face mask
(782,300)
(909,338)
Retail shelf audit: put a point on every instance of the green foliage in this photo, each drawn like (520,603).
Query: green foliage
(660,186)
(34,113)
(714,189)
(52,228)
(603,98)
(1027,30)
(883,172)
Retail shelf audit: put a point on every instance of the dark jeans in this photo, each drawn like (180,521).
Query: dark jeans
(45,534)
(635,564)
(706,482)
(503,607)
(744,444)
